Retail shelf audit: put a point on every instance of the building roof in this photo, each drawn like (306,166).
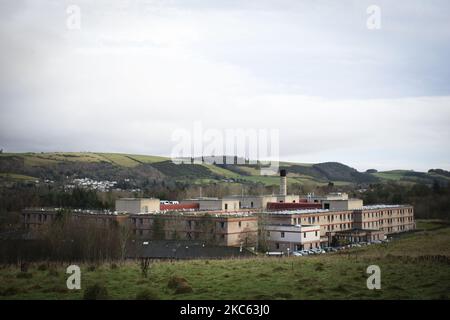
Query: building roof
(195,213)
(162,249)
(75,211)
(301,211)
(383,206)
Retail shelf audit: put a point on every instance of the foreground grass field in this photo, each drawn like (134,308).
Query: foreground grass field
(415,266)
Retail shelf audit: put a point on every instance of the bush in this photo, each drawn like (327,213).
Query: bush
(24,275)
(180,285)
(113,266)
(175,281)
(42,267)
(183,287)
(96,291)
(147,294)
(91,268)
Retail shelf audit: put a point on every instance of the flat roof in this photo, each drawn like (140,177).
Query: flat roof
(292,225)
(212,214)
(384,206)
(300,211)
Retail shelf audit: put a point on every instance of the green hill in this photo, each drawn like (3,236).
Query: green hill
(142,168)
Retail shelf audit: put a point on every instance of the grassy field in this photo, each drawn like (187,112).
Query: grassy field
(415,266)
(16,177)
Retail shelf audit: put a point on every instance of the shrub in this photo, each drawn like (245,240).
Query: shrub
(96,291)
(42,267)
(183,287)
(113,266)
(24,275)
(176,281)
(91,268)
(147,294)
(180,285)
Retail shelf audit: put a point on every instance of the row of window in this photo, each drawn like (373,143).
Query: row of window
(282,234)
(189,223)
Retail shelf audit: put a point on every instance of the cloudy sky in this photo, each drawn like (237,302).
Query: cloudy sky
(135,72)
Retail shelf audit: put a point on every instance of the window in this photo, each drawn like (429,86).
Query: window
(277,246)
(226,206)
(326,206)
(282,234)
(304,234)
(240,223)
(251,204)
(222,224)
(316,233)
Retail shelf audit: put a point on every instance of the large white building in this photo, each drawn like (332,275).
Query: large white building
(282,237)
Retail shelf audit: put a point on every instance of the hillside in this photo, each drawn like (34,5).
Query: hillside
(142,169)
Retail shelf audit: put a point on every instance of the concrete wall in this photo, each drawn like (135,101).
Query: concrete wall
(388,219)
(351,204)
(137,205)
(223,230)
(288,199)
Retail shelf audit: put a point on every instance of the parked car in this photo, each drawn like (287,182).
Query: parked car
(297,254)
(376,241)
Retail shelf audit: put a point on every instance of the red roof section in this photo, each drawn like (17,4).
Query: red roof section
(292,205)
(179,206)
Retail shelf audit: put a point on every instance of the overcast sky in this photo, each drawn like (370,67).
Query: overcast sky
(137,71)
